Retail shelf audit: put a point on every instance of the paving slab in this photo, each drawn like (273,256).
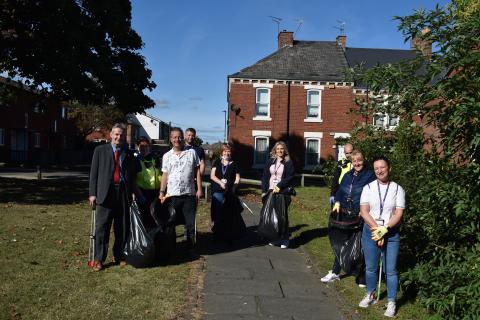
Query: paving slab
(253,280)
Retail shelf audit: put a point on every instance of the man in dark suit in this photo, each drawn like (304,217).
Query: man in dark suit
(110,190)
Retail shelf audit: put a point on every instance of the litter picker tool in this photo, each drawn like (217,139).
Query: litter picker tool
(380,275)
(245,205)
(91,248)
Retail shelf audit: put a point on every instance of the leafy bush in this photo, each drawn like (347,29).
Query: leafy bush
(440,173)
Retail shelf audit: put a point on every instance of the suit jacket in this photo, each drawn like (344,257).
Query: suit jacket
(101,171)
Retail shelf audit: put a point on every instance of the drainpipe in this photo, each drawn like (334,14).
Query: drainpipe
(288,115)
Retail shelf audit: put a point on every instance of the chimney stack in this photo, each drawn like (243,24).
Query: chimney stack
(285,39)
(424,45)
(342,41)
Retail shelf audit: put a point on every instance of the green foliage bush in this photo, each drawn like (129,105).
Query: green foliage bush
(440,250)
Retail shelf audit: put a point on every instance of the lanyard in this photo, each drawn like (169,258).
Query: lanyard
(276,168)
(382,202)
(224,169)
(351,185)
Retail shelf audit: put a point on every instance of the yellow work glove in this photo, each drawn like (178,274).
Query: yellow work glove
(379,232)
(276,189)
(336,207)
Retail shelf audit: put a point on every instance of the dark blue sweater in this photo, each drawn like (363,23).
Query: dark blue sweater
(363,178)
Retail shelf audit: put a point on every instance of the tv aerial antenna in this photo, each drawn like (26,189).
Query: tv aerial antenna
(277,21)
(300,22)
(341,27)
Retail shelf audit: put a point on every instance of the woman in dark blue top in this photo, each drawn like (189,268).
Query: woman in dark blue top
(347,209)
(225,178)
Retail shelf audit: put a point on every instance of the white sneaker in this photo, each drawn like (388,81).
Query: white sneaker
(360,285)
(367,300)
(284,244)
(390,312)
(330,277)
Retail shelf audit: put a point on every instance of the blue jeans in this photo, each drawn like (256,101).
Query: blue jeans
(217,201)
(372,255)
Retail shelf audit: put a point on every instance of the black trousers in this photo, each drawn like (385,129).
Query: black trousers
(113,210)
(187,205)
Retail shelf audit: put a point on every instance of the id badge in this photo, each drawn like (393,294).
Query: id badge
(380,222)
(275,180)
(224,181)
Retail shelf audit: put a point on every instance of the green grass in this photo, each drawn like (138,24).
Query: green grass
(44,228)
(308,216)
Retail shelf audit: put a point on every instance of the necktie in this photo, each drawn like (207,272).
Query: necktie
(116,168)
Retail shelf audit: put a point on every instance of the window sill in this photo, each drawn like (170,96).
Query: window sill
(387,128)
(313,120)
(261,118)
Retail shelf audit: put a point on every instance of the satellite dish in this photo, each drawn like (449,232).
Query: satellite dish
(235,108)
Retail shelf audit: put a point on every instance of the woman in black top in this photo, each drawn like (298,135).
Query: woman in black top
(225,178)
(277,177)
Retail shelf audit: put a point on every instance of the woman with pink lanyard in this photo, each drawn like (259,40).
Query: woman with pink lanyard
(277,177)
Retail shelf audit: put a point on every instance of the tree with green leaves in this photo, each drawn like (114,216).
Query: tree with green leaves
(436,153)
(76,50)
(89,118)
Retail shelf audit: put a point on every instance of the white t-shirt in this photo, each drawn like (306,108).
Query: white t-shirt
(181,171)
(395,198)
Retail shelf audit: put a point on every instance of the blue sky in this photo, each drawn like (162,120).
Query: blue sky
(192,46)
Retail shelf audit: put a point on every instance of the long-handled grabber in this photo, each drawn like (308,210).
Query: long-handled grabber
(91,248)
(245,205)
(380,274)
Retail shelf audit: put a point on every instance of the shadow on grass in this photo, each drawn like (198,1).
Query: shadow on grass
(306,236)
(52,191)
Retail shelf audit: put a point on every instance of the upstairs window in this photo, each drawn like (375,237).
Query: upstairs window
(313,104)
(385,121)
(262,108)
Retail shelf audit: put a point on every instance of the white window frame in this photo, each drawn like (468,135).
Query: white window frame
(268,88)
(260,134)
(308,136)
(2,136)
(318,89)
(386,121)
(37,137)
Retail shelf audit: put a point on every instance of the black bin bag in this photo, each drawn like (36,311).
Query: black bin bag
(230,225)
(166,219)
(273,217)
(345,234)
(139,250)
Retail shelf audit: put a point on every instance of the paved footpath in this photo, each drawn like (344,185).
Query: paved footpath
(255,281)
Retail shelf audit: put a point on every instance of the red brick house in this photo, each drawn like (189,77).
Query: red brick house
(33,127)
(299,94)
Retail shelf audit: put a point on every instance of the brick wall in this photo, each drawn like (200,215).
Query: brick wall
(335,104)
